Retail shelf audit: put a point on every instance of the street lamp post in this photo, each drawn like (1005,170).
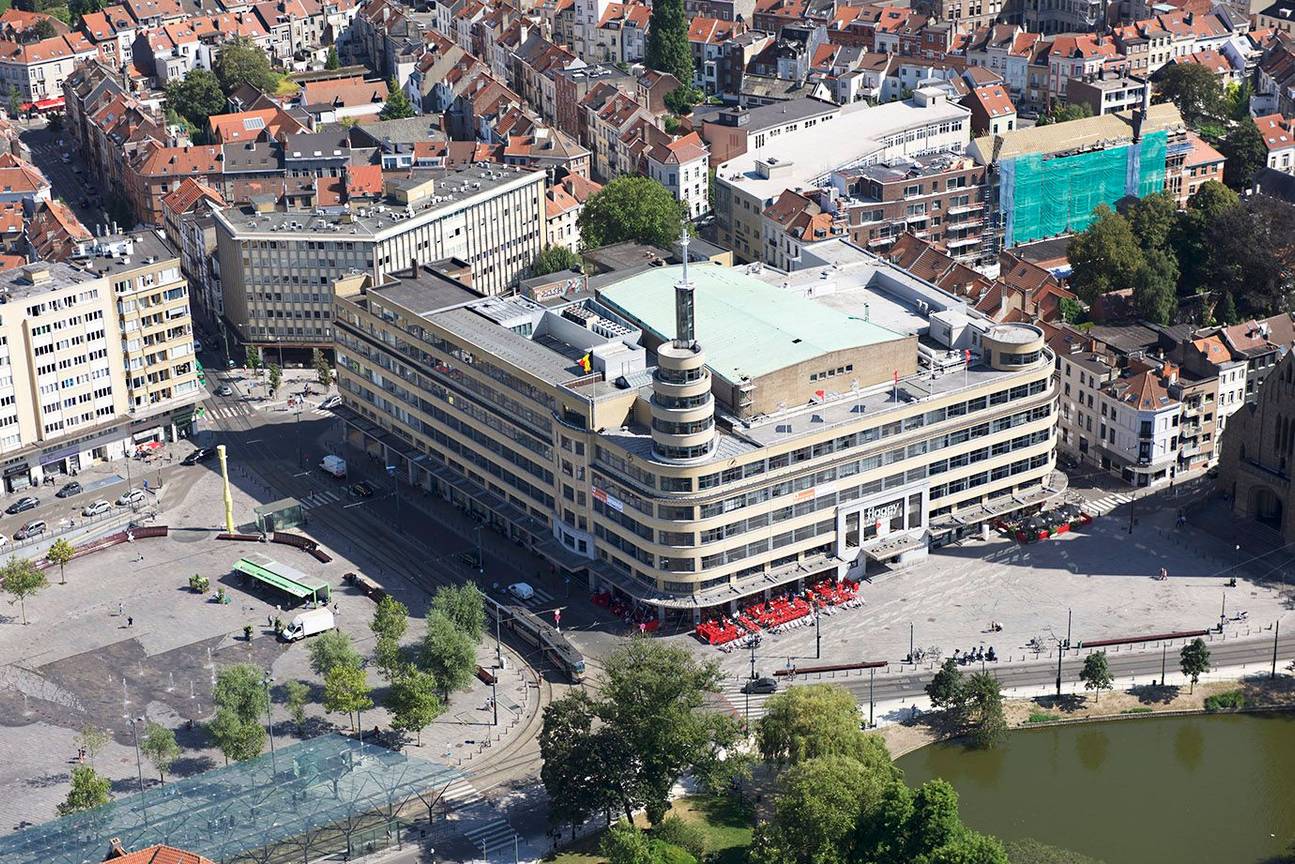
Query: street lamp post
(818,635)
(299,457)
(494,701)
(139,766)
(481,558)
(391,472)
(872,674)
(1164,653)
(1059,652)
(1070,614)
(1277,628)
(267,680)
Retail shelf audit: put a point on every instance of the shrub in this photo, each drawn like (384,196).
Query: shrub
(199,584)
(1042,717)
(688,836)
(1139,710)
(1229,701)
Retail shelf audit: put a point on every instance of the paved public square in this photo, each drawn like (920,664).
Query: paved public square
(126,638)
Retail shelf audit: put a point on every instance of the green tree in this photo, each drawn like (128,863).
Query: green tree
(15,103)
(88,791)
(1250,255)
(464,605)
(681,100)
(631,208)
(987,724)
(295,695)
(92,740)
(60,553)
(398,106)
(241,706)
(413,702)
(448,654)
(1152,219)
(947,690)
(1155,287)
(1103,256)
(1194,89)
(1194,660)
(1246,153)
(390,619)
(553,259)
(654,748)
(20,579)
(274,378)
(1213,200)
(816,812)
(625,844)
(333,62)
(160,747)
(689,836)
(243,62)
(42,29)
(1065,113)
(667,45)
(253,359)
(1236,101)
(346,691)
(576,776)
(1226,310)
(196,97)
(818,720)
(323,372)
(1071,310)
(1096,673)
(330,649)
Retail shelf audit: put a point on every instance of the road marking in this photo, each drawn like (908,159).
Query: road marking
(356,504)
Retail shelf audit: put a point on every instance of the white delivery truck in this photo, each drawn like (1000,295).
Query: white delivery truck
(308,624)
(334,465)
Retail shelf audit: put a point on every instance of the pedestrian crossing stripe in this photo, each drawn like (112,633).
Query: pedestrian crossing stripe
(318,499)
(491,836)
(1105,505)
(461,793)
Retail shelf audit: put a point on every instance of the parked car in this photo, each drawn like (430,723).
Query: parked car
(34,528)
(96,507)
(224,390)
(761,685)
(27,502)
(363,489)
(68,490)
(521,590)
(133,496)
(202,454)
(331,402)
(4,541)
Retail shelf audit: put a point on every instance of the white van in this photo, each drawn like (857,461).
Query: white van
(521,590)
(308,624)
(334,465)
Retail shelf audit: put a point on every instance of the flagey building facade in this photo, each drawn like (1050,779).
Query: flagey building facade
(277,269)
(688,437)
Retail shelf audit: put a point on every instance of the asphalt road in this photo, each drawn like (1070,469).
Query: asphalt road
(68,185)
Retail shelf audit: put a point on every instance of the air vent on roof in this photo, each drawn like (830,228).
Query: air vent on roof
(783,428)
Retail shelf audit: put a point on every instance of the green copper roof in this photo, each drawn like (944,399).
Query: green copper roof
(747,327)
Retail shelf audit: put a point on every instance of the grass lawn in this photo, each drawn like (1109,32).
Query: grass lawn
(726,821)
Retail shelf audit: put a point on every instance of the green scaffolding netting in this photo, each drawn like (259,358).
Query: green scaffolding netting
(1044,196)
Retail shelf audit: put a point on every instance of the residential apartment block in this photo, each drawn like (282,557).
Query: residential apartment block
(96,357)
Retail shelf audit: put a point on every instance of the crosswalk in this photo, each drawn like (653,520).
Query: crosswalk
(733,694)
(231,410)
(319,499)
(1102,506)
(460,794)
(488,832)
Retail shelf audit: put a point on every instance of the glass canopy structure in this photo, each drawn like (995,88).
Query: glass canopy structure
(321,795)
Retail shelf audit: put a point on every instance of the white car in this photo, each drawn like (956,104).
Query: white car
(521,591)
(4,541)
(134,496)
(331,402)
(96,507)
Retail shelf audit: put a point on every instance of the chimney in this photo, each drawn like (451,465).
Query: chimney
(115,849)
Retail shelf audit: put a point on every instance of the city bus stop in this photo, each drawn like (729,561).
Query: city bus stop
(282,515)
(287,579)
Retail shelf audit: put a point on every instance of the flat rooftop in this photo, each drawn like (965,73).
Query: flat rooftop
(17,284)
(846,139)
(747,327)
(145,244)
(451,189)
(424,294)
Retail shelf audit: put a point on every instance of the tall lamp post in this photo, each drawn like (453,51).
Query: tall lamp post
(391,472)
(139,766)
(267,680)
(298,414)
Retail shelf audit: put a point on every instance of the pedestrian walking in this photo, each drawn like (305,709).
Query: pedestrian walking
(130,622)
(121,609)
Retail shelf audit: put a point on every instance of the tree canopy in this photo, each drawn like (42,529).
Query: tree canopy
(21,579)
(397,106)
(1194,660)
(241,705)
(1155,287)
(552,259)
(332,648)
(464,606)
(242,61)
(88,791)
(196,97)
(1103,256)
(667,44)
(631,208)
(814,721)
(635,756)
(413,702)
(160,747)
(1246,153)
(1194,89)
(819,805)
(447,653)
(1064,113)
(1096,673)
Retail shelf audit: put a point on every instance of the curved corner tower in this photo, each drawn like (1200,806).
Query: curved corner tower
(683,409)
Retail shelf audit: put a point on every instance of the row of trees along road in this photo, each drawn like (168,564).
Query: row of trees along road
(1232,258)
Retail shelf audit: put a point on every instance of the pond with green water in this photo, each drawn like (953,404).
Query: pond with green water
(1187,790)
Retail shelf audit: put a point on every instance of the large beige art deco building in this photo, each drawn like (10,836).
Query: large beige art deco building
(692,435)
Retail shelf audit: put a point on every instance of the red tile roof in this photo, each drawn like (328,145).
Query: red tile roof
(1278,131)
(160,855)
